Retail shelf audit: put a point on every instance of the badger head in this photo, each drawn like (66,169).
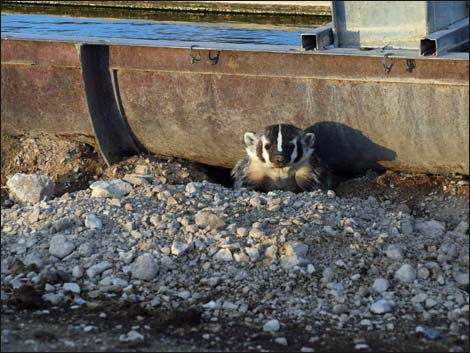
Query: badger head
(281,146)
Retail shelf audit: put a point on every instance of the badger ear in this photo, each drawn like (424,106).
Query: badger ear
(309,139)
(249,138)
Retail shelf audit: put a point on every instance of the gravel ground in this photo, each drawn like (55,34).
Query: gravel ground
(139,263)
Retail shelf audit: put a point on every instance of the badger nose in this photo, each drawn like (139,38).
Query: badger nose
(279,159)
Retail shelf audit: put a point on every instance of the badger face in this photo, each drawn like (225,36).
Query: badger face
(281,146)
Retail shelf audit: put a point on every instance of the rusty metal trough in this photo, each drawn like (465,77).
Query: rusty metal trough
(369,109)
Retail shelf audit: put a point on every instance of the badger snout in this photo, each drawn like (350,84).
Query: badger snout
(279,160)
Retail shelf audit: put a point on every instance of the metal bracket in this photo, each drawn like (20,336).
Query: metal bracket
(214,60)
(455,37)
(318,39)
(194,58)
(410,65)
(386,65)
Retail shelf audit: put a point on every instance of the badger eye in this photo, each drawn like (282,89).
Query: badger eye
(267,146)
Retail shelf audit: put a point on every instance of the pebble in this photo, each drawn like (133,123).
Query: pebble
(430,228)
(394,252)
(97,269)
(406,273)
(282,341)
(178,248)
(381,306)
(224,255)
(207,219)
(380,285)
(461,228)
(30,188)
(271,326)
(60,247)
(71,287)
(144,267)
(93,222)
(131,336)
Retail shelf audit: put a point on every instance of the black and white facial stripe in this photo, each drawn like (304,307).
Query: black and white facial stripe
(281,145)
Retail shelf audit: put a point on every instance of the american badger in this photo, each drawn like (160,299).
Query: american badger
(282,158)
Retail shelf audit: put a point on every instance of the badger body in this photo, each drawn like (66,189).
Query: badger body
(282,158)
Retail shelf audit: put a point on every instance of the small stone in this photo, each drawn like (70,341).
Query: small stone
(429,333)
(461,278)
(113,189)
(253,253)
(144,267)
(271,252)
(184,294)
(331,194)
(131,336)
(190,189)
(423,273)
(30,188)
(307,349)
(256,233)
(406,273)
(98,269)
(282,341)
(340,308)
(380,285)
(52,298)
(242,232)
(207,219)
(224,255)
(381,306)
(328,274)
(142,169)
(93,222)
(136,180)
(178,248)
(60,247)
(394,252)
(430,228)
(271,326)
(461,228)
(241,257)
(310,268)
(71,287)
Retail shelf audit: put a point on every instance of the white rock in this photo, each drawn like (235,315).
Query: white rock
(241,257)
(144,267)
(30,188)
(184,294)
(271,326)
(431,228)
(406,273)
(190,189)
(93,222)
(282,341)
(131,336)
(71,287)
(394,252)
(296,248)
(136,180)
(113,189)
(331,194)
(380,285)
(142,169)
(252,252)
(229,306)
(207,219)
(461,228)
(310,268)
(381,306)
(33,258)
(60,247)
(98,269)
(461,278)
(271,252)
(179,248)
(52,298)
(223,255)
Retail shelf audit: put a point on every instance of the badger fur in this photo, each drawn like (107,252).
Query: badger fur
(282,158)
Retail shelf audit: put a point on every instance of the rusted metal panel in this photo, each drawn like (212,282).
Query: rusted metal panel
(414,118)
(295,64)
(42,89)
